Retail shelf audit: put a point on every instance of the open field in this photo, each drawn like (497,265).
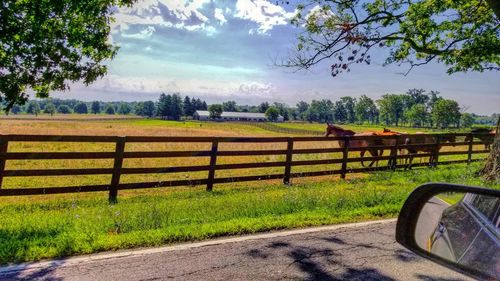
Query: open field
(37,227)
(33,228)
(159,128)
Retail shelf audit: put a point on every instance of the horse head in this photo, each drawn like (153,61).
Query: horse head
(337,131)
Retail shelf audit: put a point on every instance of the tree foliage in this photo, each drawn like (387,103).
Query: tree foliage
(50,108)
(96,107)
(463,34)
(64,109)
(81,108)
(272,114)
(215,111)
(48,44)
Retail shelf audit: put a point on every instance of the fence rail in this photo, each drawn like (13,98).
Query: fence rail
(431,150)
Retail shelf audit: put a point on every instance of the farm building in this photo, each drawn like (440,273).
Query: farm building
(234,116)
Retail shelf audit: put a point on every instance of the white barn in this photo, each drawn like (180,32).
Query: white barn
(234,116)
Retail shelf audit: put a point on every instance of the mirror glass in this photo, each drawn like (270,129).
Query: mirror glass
(462,228)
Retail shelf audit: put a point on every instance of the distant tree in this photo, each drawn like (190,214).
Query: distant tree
(466,120)
(188,108)
(33,108)
(16,109)
(204,106)
(302,107)
(64,109)
(215,111)
(80,108)
(229,106)
(96,107)
(417,115)
(320,111)
(175,110)
(282,110)
(124,109)
(417,96)
(50,108)
(146,108)
(272,114)
(339,112)
(164,105)
(391,108)
(365,109)
(445,112)
(110,109)
(263,107)
(349,104)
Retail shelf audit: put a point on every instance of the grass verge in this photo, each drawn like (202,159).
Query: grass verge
(35,229)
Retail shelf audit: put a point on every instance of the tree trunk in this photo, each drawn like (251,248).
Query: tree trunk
(491,170)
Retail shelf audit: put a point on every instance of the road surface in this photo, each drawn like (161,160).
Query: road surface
(428,220)
(359,252)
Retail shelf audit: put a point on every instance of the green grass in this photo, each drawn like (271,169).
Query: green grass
(34,228)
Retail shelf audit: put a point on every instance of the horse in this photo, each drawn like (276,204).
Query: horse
(337,131)
(424,139)
(485,135)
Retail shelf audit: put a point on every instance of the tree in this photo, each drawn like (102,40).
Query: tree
(16,109)
(349,104)
(64,109)
(146,108)
(445,112)
(124,109)
(96,107)
(110,109)
(48,44)
(365,109)
(33,108)
(229,106)
(339,112)
(50,108)
(175,110)
(417,115)
(164,105)
(263,107)
(80,108)
(463,35)
(188,108)
(320,111)
(466,120)
(302,107)
(391,108)
(272,114)
(215,111)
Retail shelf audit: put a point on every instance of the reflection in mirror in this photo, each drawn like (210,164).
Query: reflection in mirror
(462,228)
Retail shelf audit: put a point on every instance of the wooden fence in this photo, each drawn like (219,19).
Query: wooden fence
(120,154)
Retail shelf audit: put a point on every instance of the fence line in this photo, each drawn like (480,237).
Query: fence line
(120,154)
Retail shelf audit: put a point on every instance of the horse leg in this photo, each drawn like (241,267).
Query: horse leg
(373,153)
(362,155)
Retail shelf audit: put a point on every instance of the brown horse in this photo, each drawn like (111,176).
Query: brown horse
(420,138)
(487,136)
(337,131)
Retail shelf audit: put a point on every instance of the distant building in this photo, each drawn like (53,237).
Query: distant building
(233,116)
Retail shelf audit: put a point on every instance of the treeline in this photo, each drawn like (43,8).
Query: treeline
(168,107)
(415,108)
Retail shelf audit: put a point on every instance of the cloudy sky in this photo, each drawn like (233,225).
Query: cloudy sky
(225,49)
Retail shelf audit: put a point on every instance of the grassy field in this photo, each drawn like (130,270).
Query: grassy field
(37,227)
(33,228)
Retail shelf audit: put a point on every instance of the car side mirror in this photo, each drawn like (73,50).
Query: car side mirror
(454,225)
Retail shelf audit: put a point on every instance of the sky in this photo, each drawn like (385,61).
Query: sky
(226,50)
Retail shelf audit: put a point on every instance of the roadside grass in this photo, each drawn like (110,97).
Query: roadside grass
(34,228)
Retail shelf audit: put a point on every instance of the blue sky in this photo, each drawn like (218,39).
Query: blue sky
(221,50)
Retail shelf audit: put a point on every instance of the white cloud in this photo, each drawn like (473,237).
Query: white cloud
(202,87)
(219,15)
(262,12)
(166,13)
(144,34)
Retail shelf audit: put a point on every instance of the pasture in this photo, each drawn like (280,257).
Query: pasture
(37,227)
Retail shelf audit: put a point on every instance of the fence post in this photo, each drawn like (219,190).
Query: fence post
(288,164)
(469,152)
(394,154)
(345,156)
(436,151)
(4,144)
(117,166)
(213,162)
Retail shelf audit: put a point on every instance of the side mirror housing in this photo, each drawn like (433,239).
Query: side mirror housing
(455,226)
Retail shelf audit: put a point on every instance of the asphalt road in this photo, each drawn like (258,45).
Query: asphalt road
(366,252)
(428,220)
